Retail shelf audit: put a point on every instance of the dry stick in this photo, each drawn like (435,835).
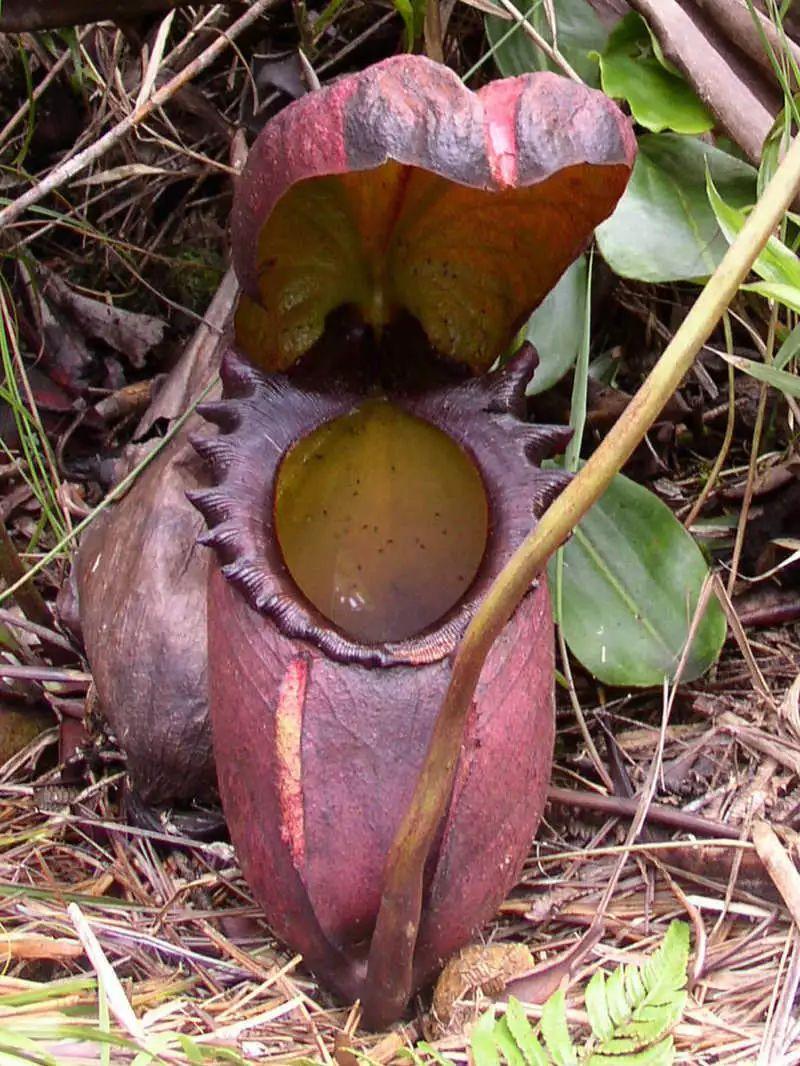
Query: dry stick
(779,866)
(93,152)
(433,30)
(752,468)
(742,98)
(748,29)
(625,807)
(390,969)
(552,53)
(727,440)
(44,633)
(24,107)
(737,630)
(644,800)
(649,789)
(577,710)
(777,1036)
(44,673)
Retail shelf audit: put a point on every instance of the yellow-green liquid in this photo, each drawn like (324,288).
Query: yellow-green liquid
(382,520)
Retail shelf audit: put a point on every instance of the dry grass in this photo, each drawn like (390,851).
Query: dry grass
(166,949)
(175,920)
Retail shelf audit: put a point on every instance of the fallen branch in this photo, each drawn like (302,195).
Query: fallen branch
(626,807)
(70,167)
(744,104)
(740,26)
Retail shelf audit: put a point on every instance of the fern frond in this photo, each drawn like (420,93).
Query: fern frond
(507,1045)
(520,1029)
(634,1007)
(630,1013)
(483,1045)
(556,1032)
(433,1055)
(661,1054)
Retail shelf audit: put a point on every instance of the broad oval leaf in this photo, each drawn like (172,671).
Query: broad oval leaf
(579,33)
(664,228)
(630,69)
(631,580)
(556,327)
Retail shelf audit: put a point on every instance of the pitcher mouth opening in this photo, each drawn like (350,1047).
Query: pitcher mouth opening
(382,521)
(372,527)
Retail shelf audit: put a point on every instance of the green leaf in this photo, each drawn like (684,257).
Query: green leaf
(579,33)
(520,1029)
(631,579)
(31,1049)
(616,999)
(430,1050)
(634,985)
(646,1002)
(482,1043)
(41,993)
(777,142)
(193,1053)
(787,383)
(789,350)
(412,12)
(632,70)
(556,1033)
(776,263)
(556,327)
(787,295)
(643,1009)
(664,228)
(666,969)
(597,1007)
(630,1013)
(507,1045)
(661,1054)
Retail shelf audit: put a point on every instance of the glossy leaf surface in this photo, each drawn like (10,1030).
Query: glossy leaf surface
(664,228)
(556,328)
(631,579)
(579,33)
(659,98)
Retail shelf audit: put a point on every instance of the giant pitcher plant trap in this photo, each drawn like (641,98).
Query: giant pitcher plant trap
(371,473)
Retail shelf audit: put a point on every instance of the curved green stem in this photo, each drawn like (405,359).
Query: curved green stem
(390,969)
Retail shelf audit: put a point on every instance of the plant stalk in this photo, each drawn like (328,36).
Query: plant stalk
(390,968)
